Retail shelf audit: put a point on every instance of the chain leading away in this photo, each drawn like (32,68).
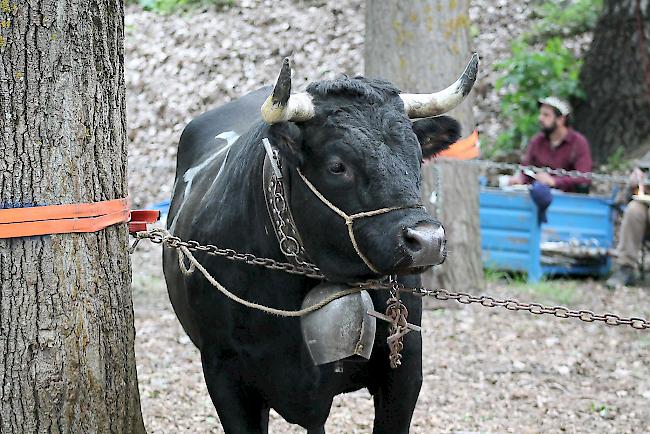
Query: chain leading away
(161,236)
(617,179)
(533,308)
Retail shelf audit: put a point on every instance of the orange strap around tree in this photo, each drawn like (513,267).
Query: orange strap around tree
(72,218)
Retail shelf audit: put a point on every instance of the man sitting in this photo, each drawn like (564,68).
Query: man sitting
(557,146)
(634,227)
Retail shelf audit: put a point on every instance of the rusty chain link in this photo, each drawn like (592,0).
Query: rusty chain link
(159,236)
(398,314)
(534,308)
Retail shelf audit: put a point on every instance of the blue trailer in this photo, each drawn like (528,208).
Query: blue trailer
(512,239)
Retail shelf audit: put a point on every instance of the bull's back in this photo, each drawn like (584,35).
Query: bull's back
(202,151)
(204,140)
(197,139)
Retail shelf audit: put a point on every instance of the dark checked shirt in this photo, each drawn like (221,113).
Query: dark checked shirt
(572,154)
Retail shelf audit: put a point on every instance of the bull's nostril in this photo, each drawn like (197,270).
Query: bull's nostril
(425,244)
(412,240)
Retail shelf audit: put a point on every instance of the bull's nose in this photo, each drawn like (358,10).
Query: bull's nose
(425,242)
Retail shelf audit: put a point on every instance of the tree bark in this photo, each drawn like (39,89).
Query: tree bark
(450,193)
(616,78)
(67,360)
(423,46)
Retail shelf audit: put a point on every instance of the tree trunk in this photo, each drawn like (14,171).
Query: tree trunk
(423,46)
(616,78)
(455,203)
(67,360)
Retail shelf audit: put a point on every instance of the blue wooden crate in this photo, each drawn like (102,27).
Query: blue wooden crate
(511,237)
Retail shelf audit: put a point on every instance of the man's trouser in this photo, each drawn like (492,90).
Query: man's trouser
(634,227)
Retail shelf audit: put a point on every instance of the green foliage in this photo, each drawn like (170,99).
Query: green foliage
(616,161)
(169,6)
(529,75)
(602,409)
(511,278)
(494,275)
(474,31)
(560,291)
(564,18)
(557,291)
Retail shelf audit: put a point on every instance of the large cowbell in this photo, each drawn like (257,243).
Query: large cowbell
(342,329)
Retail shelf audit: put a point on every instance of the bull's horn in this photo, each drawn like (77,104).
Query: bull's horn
(282,106)
(422,105)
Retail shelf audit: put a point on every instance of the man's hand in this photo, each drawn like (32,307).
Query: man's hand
(545,178)
(515,180)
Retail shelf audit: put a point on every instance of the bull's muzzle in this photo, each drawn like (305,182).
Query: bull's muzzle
(426,244)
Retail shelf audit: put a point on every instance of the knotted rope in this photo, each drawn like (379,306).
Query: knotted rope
(349,219)
(184,252)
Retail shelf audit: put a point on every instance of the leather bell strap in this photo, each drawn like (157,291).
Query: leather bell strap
(349,219)
(279,211)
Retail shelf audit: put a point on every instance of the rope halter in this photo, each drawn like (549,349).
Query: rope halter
(349,219)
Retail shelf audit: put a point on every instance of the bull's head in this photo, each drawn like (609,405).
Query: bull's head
(353,141)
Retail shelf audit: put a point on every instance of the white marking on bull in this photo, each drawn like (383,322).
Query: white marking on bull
(230,137)
(189,175)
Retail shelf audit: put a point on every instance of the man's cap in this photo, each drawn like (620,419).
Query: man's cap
(562,106)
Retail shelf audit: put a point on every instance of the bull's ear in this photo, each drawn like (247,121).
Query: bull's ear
(287,138)
(436,134)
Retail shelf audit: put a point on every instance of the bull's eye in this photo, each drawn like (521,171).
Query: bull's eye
(337,168)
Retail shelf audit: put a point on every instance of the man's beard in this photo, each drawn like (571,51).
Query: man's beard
(549,130)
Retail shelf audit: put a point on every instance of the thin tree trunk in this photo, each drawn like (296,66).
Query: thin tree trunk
(616,79)
(66,317)
(423,46)
(455,203)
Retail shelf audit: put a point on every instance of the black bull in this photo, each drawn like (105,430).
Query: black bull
(361,150)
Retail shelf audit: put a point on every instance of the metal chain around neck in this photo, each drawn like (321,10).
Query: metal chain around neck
(280,214)
(161,236)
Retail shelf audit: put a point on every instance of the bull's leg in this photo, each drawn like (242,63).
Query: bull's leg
(395,402)
(240,409)
(397,390)
(320,430)
(265,420)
